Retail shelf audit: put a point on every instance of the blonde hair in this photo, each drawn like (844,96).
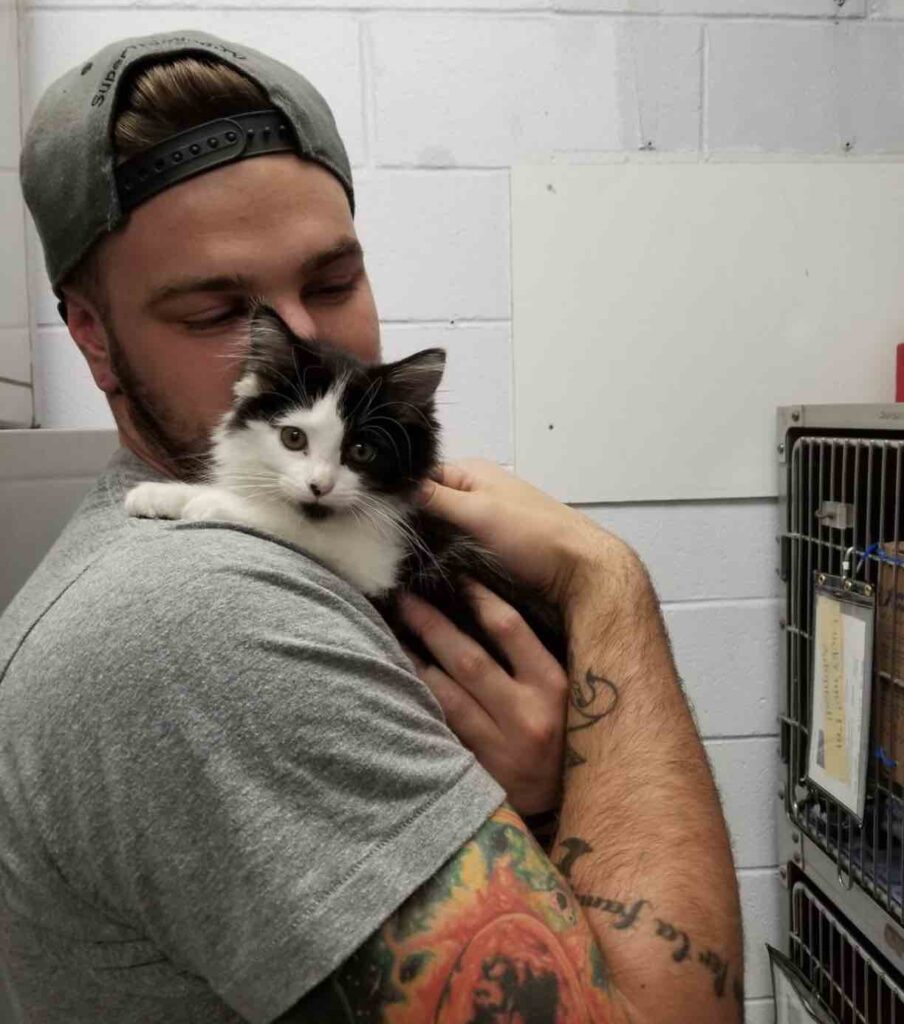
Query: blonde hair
(164,99)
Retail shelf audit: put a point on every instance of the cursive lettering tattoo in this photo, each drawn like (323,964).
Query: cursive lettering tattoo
(574,848)
(670,933)
(630,916)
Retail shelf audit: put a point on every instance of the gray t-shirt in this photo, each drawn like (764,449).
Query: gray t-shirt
(218,772)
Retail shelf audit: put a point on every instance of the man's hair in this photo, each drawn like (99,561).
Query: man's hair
(161,100)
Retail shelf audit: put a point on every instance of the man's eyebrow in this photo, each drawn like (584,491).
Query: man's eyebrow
(237,282)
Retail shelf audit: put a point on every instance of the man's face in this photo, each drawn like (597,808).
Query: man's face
(179,276)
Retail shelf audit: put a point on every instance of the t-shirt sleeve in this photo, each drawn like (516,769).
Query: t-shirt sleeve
(265,779)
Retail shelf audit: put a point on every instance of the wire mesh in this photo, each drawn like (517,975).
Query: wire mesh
(845,493)
(847,978)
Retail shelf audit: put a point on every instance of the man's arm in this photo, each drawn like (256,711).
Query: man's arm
(642,839)
(648,930)
(495,936)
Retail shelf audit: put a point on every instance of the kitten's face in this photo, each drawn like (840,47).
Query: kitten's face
(323,431)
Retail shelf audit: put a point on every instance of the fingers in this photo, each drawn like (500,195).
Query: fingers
(464,715)
(459,655)
(530,660)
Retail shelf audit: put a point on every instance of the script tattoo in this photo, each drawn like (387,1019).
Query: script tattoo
(574,848)
(627,916)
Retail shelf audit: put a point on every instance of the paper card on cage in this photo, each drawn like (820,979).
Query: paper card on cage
(842,661)
(795,1000)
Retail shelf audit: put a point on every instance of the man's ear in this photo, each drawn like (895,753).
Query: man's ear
(88,332)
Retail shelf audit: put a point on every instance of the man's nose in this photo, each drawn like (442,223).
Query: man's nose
(298,319)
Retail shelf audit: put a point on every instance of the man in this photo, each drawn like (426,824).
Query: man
(224,793)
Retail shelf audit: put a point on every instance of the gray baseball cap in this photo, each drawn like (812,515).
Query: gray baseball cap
(70,180)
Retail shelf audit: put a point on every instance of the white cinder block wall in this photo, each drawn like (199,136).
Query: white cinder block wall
(436,99)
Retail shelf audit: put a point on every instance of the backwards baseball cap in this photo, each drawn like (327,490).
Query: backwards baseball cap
(77,193)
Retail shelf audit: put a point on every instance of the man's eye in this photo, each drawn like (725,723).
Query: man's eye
(214,321)
(340,288)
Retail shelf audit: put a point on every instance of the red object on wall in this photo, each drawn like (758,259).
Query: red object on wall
(899,375)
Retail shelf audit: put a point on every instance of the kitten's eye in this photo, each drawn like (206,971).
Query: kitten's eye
(294,439)
(362,453)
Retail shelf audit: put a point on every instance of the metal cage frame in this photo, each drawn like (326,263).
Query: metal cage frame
(847,977)
(846,463)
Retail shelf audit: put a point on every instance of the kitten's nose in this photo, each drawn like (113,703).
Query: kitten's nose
(318,490)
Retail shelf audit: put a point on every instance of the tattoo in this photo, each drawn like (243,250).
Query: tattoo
(572,757)
(494,936)
(575,848)
(628,916)
(591,700)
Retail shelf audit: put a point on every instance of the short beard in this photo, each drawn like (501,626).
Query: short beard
(184,459)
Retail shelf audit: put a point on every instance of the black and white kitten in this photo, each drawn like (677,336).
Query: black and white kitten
(325,452)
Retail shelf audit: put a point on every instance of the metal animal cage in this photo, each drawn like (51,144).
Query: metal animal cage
(842,518)
(848,977)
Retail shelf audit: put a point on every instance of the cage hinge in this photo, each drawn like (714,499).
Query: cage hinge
(784,569)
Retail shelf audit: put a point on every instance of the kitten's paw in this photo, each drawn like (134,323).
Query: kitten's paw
(207,506)
(157,500)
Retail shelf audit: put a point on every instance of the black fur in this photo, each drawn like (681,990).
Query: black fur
(392,406)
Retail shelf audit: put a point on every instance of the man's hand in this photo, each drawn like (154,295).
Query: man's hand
(541,541)
(515,725)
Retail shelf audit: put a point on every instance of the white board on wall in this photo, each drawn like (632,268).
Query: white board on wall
(661,311)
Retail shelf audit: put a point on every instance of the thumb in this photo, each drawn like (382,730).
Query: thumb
(445,502)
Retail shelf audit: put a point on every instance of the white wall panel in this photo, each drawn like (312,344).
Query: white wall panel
(684,301)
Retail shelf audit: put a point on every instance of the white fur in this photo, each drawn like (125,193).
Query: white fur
(258,482)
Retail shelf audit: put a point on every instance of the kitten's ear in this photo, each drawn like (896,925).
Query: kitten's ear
(269,332)
(416,378)
(274,350)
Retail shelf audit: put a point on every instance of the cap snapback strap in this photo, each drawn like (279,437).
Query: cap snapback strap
(200,149)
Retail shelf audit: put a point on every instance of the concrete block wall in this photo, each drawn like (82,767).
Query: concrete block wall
(436,100)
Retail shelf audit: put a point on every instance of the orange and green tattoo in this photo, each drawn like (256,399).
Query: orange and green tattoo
(494,937)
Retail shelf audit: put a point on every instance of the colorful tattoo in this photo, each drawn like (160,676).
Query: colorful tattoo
(496,936)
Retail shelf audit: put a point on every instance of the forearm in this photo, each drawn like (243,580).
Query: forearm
(642,838)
